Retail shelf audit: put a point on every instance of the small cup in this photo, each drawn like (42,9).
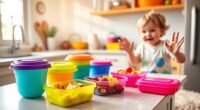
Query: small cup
(30,76)
(60,71)
(82,61)
(100,67)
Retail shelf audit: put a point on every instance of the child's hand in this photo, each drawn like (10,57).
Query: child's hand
(126,45)
(174,45)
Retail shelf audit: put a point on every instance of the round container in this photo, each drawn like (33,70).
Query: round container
(82,61)
(60,71)
(30,76)
(82,72)
(100,67)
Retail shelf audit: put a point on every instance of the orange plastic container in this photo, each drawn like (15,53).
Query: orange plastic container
(147,3)
(61,71)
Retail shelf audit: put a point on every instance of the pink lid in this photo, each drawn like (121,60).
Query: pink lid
(159,82)
(101,62)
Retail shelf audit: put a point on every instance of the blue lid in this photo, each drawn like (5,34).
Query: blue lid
(29,64)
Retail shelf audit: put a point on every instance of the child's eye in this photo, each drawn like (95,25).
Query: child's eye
(143,31)
(152,30)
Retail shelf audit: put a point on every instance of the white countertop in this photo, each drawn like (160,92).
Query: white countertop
(57,53)
(130,99)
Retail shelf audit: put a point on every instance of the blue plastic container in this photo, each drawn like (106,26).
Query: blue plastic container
(30,76)
(82,72)
(100,67)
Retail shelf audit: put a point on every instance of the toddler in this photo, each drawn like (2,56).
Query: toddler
(154,54)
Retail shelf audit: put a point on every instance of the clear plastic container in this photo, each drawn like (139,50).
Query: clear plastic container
(108,87)
(132,78)
(163,86)
(69,97)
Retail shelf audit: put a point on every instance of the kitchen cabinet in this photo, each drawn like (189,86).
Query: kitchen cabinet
(135,9)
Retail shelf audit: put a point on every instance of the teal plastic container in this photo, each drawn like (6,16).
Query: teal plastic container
(30,76)
(31,84)
(82,72)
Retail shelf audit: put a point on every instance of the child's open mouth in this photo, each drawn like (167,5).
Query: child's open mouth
(149,39)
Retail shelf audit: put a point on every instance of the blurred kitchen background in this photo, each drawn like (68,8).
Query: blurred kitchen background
(68,25)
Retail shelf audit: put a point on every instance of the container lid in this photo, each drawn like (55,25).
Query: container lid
(79,57)
(28,64)
(159,82)
(62,67)
(101,62)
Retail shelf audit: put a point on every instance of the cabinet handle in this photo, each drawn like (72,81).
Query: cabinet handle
(193,34)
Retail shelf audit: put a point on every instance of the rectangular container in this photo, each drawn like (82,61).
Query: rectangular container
(132,78)
(108,87)
(163,86)
(69,97)
(112,46)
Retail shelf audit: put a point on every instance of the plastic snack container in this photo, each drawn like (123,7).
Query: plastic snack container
(61,71)
(69,97)
(132,78)
(30,75)
(104,88)
(82,62)
(100,67)
(163,86)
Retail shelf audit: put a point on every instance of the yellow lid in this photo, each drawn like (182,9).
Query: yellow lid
(78,57)
(62,67)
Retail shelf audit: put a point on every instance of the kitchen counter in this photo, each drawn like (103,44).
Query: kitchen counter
(130,99)
(57,53)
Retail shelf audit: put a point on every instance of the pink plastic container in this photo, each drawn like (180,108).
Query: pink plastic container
(132,79)
(109,87)
(163,86)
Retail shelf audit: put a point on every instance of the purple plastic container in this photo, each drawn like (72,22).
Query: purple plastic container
(30,76)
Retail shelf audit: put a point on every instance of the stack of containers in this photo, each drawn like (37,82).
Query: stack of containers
(60,71)
(82,62)
(100,67)
(30,76)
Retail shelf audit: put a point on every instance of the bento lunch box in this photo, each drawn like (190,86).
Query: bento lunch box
(163,86)
(69,97)
(108,87)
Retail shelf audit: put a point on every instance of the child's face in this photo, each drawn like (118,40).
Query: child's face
(150,33)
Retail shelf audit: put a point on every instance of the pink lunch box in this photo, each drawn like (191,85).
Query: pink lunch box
(132,78)
(163,86)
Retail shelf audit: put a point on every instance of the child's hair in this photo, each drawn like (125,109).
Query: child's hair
(157,18)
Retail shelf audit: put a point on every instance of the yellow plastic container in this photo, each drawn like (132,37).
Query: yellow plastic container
(112,46)
(61,71)
(69,97)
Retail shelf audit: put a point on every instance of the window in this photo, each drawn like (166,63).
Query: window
(11,13)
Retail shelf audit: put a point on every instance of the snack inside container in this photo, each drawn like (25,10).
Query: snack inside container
(69,97)
(108,87)
(132,78)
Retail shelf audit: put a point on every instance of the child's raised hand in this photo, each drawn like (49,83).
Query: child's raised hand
(126,45)
(174,45)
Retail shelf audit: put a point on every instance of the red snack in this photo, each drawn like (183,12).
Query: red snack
(95,78)
(129,70)
(119,88)
(104,79)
